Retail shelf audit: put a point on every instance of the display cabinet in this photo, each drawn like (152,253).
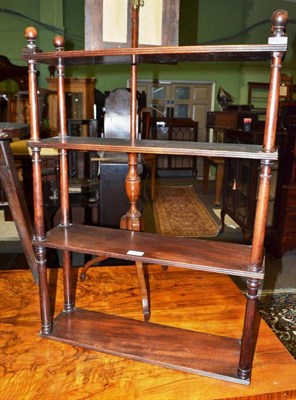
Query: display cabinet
(241,182)
(228,358)
(79,99)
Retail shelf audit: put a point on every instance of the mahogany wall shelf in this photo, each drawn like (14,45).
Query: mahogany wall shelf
(214,356)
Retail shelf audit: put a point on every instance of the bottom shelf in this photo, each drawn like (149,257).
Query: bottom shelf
(180,349)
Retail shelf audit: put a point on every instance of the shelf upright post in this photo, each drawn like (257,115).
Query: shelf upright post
(59,43)
(132,220)
(279,20)
(31,48)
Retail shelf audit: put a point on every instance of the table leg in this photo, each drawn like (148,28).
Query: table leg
(219,181)
(206,170)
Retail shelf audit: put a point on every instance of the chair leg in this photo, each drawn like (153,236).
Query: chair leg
(206,170)
(219,181)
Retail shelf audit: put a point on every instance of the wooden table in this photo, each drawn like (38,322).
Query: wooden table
(218,162)
(32,367)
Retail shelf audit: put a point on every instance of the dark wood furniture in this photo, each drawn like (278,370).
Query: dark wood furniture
(84,185)
(241,177)
(176,129)
(207,354)
(79,100)
(258,92)
(221,121)
(241,182)
(284,237)
(13,191)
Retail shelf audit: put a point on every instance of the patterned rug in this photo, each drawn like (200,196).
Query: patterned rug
(279,312)
(179,212)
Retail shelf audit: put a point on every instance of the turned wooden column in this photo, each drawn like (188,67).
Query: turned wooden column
(31,48)
(133,220)
(59,43)
(279,20)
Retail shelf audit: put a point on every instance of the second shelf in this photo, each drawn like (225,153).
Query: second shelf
(195,254)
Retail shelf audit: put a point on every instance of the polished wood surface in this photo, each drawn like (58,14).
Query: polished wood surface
(32,367)
(196,254)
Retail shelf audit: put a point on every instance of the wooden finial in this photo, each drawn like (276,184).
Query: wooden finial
(31,35)
(59,43)
(279,20)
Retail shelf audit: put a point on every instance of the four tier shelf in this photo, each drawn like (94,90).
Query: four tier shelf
(214,356)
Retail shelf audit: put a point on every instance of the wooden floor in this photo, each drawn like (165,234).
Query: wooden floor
(35,368)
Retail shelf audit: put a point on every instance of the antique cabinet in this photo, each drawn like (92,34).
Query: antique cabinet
(228,358)
(241,182)
(284,237)
(79,95)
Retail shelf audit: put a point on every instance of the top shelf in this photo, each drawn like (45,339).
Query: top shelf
(277,43)
(201,149)
(163,55)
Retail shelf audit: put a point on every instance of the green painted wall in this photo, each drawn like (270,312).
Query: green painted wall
(201,21)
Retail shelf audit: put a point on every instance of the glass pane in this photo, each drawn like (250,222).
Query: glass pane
(158,92)
(181,111)
(182,93)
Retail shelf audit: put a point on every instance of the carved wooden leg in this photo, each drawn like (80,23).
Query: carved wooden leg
(248,341)
(143,288)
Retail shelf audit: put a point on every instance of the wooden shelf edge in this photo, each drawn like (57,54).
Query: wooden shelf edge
(202,149)
(153,248)
(180,349)
(164,54)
